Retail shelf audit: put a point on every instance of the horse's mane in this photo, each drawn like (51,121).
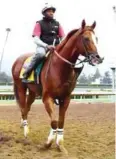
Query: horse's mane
(61,45)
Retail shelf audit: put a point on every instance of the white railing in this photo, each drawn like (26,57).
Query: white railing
(74,95)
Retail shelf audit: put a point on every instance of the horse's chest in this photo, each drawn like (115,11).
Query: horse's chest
(67,85)
(65,89)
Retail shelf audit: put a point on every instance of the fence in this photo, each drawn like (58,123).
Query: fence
(74,95)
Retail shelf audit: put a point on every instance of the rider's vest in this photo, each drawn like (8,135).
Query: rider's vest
(49,31)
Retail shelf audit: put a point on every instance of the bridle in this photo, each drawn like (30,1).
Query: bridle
(88,57)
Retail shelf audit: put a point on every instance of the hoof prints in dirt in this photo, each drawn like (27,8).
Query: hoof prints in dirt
(23,141)
(4,138)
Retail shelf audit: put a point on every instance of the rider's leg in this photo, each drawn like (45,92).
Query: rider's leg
(37,57)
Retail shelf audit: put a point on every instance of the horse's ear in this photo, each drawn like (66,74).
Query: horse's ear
(83,24)
(93,25)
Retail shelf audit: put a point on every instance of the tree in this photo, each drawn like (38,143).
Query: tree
(97,75)
(106,78)
(90,79)
(83,79)
(4,78)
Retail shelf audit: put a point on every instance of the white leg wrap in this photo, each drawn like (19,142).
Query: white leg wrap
(52,136)
(25,126)
(60,136)
(25,122)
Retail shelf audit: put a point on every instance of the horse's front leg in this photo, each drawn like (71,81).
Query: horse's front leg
(60,131)
(50,108)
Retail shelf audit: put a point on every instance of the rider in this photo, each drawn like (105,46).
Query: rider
(45,32)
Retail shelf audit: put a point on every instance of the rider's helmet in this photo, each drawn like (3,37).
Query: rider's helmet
(47,7)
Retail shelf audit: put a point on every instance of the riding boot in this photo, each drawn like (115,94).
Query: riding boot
(34,61)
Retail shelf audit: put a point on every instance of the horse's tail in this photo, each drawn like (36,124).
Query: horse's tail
(16,93)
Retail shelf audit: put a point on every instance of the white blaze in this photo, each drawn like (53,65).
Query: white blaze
(94,38)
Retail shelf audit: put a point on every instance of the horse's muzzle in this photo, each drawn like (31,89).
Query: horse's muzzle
(95,59)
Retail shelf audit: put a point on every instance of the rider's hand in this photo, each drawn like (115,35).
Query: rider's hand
(51,48)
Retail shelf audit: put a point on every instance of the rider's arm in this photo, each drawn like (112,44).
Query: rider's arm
(39,42)
(36,35)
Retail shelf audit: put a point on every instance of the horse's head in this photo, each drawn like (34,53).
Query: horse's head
(87,42)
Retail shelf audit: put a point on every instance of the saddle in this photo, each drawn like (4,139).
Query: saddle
(33,78)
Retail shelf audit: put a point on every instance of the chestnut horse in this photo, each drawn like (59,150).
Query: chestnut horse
(58,79)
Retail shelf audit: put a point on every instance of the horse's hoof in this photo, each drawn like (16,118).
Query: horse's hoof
(62,149)
(47,146)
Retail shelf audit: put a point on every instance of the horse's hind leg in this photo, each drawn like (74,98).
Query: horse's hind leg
(20,91)
(30,100)
(49,105)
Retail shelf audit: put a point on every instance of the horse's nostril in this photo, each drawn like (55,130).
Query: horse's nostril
(98,56)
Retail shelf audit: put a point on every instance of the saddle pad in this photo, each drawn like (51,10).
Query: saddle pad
(25,65)
(34,73)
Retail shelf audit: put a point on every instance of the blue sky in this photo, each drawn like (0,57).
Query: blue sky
(21,15)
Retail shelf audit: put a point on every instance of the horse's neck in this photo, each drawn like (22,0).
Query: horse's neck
(67,52)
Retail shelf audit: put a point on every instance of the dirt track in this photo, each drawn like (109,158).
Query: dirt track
(89,133)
